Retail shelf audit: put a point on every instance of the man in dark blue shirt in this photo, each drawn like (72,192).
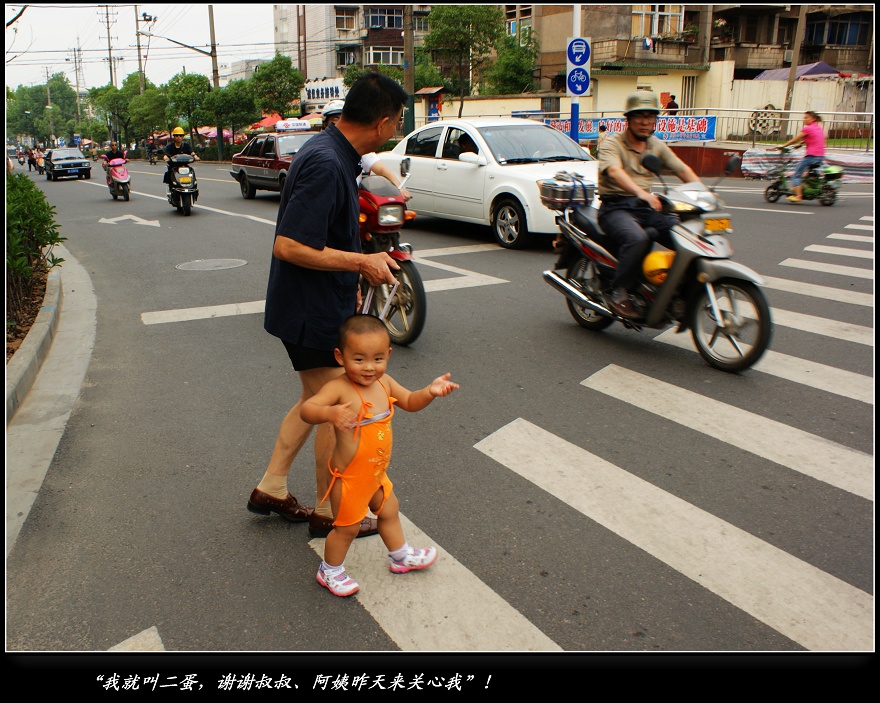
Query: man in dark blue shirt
(313,280)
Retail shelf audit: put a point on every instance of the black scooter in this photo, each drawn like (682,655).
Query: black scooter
(183,188)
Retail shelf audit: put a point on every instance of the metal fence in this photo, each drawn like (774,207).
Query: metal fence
(843,130)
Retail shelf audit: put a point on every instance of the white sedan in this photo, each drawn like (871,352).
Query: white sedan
(486,170)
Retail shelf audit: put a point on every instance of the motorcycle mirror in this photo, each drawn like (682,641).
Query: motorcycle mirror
(652,163)
(404,167)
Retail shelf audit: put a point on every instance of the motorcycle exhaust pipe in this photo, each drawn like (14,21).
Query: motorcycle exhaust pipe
(573,294)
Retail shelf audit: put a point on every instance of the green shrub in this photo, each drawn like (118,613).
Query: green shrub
(31,233)
(209,153)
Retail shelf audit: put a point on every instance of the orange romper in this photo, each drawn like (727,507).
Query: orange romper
(366,472)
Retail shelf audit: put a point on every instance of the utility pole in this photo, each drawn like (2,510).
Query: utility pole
(137,27)
(109,45)
(795,58)
(49,108)
(216,79)
(409,69)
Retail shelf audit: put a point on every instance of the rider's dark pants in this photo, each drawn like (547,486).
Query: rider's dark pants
(635,226)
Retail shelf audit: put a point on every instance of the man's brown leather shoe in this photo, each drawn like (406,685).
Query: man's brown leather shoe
(320,526)
(289,508)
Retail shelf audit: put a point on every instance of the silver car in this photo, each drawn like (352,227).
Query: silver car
(486,170)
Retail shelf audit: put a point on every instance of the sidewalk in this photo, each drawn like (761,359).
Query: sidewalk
(43,381)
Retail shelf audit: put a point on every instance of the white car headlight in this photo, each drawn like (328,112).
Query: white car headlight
(390,215)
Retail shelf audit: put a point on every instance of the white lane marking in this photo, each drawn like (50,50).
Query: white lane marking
(840,251)
(829,268)
(800,451)
(867,218)
(453,251)
(464,279)
(823,326)
(768,211)
(134,218)
(851,237)
(868,227)
(807,605)
(835,294)
(792,368)
(443,608)
(146,641)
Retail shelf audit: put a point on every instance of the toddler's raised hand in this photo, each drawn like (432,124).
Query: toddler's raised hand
(442,386)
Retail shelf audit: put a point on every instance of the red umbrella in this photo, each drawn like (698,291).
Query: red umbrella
(267,122)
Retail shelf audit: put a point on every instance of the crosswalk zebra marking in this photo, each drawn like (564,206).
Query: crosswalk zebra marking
(792,368)
(824,292)
(868,227)
(805,604)
(840,251)
(822,326)
(818,267)
(819,458)
(851,237)
(442,608)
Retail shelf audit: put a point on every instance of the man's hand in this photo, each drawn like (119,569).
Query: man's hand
(653,201)
(376,268)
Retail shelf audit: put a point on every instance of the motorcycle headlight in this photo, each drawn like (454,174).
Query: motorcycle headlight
(390,215)
(704,202)
(183,171)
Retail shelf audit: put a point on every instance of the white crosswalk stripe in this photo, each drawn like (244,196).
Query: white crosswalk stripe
(792,368)
(824,292)
(811,607)
(829,268)
(840,251)
(445,607)
(800,451)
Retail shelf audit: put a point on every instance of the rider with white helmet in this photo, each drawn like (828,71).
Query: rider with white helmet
(630,214)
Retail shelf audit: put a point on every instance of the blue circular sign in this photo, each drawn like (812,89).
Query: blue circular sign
(578,52)
(578,81)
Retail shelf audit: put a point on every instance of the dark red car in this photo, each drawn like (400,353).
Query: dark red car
(263,164)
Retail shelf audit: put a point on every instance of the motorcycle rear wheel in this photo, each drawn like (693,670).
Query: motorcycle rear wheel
(406,316)
(584,274)
(772,194)
(828,195)
(744,334)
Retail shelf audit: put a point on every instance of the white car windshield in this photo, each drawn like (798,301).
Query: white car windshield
(526,144)
(58,154)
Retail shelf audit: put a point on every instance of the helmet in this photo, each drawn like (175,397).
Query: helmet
(656,266)
(177,130)
(334,107)
(642,100)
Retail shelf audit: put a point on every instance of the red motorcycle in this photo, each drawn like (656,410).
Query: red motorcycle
(403,306)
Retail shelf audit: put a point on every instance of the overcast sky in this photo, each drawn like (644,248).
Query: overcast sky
(46,35)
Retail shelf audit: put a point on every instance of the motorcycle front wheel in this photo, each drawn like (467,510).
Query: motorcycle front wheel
(186,204)
(584,275)
(742,335)
(126,193)
(771,195)
(828,195)
(406,315)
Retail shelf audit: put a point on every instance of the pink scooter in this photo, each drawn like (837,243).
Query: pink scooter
(118,179)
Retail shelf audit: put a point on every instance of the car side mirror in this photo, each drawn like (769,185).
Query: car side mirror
(404,166)
(469,157)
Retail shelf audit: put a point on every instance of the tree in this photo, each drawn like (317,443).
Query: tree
(512,71)
(355,71)
(463,37)
(148,111)
(277,85)
(233,105)
(426,74)
(187,93)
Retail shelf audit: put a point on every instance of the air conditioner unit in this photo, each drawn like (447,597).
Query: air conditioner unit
(787,55)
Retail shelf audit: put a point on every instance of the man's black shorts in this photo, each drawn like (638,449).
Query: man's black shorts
(304,358)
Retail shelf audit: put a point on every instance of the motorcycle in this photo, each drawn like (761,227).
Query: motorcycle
(820,182)
(184,188)
(403,306)
(118,178)
(153,158)
(695,286)
(21,159)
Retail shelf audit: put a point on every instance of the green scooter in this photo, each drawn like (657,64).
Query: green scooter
(820,182)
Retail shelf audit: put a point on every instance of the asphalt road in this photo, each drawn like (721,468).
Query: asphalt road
(587,492)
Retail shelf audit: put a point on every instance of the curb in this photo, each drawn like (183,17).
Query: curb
(22,369)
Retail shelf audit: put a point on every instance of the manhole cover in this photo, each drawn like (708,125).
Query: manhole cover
(211,264)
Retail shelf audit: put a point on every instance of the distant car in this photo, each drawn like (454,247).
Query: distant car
(497,185)
(263,164)
(66,163)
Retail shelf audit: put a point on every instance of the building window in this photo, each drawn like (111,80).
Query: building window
(657,20)
(388,55)
(345,58)
(420,23)
(383,18)
(847,30)
(345,18)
